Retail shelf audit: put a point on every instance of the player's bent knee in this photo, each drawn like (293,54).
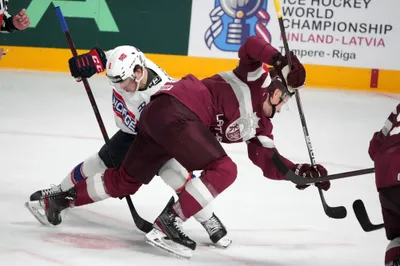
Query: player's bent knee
(223,173)
(230,170)
(119,184)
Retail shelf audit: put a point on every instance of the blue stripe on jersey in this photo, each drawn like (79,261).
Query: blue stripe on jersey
(76,174)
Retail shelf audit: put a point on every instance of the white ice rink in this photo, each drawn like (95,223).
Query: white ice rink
(47,126)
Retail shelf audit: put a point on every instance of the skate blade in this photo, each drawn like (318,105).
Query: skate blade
(158,239)
(34,207)
(224,242)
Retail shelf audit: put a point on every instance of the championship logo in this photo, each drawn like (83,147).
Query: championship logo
(233,21)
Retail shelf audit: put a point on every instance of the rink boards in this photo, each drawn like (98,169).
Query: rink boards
(56,59)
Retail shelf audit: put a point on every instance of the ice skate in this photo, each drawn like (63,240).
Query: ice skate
(168,234)
(47,191)
(48,209)
(217,232)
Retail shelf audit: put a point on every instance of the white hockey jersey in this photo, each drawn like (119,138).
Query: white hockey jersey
(4,17)
(128,106)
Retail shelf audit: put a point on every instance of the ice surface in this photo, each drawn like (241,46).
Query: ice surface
(47,126)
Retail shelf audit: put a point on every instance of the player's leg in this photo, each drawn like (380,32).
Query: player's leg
(96,163)
(114,182)
(89,172)
(176,176)
(180,132)
(390,202)
(168,129)
(100,161)
(145,157)
(387,175)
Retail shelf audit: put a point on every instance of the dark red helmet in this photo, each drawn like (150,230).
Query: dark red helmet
(278,83)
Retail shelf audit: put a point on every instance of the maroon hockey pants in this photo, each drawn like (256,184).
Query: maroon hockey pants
(390,202)
(387,175)
(168,129)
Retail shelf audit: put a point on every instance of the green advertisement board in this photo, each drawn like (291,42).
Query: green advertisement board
(154,26)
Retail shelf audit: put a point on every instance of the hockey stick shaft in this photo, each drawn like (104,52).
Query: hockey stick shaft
(297,94)
(142,224)
(337,212)
(299,180)
(348,174)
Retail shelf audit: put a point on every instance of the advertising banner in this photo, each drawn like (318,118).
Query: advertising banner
(348,33)
(156,26)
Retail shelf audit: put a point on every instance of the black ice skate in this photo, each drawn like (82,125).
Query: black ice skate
(217,231)
(48,209)
(56,203)
(168,233)
(40,194)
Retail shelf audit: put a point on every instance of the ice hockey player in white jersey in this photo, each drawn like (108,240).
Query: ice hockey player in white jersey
(133,78)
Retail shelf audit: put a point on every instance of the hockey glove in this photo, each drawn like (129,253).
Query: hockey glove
(294,78)
(86,65)
(307,171)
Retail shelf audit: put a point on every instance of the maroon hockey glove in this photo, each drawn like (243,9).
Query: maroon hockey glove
(297,75)
(86,65)
(307,171)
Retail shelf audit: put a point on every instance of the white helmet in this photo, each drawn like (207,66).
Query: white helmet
(122,62)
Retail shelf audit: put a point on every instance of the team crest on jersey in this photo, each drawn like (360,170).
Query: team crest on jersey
(123,112)
(242,128)
(233,21)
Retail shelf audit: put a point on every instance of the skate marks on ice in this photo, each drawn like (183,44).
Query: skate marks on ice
(95,235)
(250,247)
(246,253)
(205,252)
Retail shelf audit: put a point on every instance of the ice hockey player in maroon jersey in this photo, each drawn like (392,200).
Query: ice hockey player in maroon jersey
(134,79)
(191,117)
(384,150)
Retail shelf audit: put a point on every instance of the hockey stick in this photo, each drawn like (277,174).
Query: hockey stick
(298,180)
(333,212)
(363,219)
(358,205)
(142,224)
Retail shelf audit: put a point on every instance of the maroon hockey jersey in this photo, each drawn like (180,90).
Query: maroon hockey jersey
(384,150)
(230,103)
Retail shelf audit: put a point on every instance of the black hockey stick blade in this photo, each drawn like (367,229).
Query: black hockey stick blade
(338,212)
(362,217)
(140,223)
(298,180)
